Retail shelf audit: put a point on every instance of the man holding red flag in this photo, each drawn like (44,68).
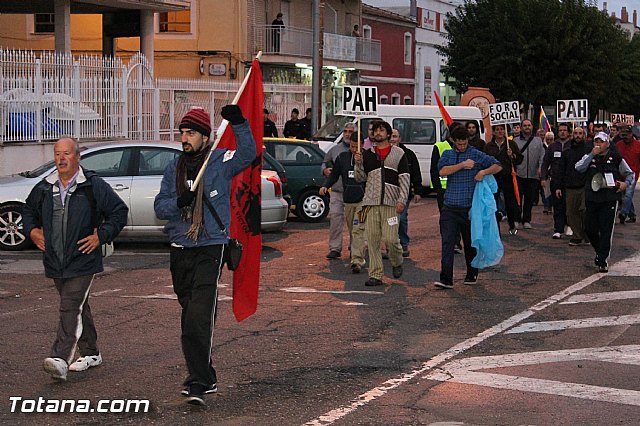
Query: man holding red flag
(246,197)
(198,242)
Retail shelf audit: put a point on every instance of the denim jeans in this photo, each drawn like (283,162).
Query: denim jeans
(403,229)
(627,202)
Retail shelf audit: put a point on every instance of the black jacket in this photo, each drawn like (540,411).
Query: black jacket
(500,154)
(110,209)
(415,174)
(552,161)
(343,167)
(270,130)
(294,129)
(570,177)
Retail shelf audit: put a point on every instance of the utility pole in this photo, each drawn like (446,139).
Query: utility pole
(316,65)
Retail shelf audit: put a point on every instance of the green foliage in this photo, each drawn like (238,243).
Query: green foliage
(538,51)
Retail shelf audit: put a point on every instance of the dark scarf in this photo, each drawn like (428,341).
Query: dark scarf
(187,169)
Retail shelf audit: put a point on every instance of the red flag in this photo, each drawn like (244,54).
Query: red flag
(245,200)
(445,115)
(514,177)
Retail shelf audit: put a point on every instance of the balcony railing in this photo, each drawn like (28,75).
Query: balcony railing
(299,42)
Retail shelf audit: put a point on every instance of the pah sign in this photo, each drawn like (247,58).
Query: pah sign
(359,100)
(504,112)
(618,118)
(572,110)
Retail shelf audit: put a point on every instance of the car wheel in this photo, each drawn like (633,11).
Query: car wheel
(12,236)
(312,207)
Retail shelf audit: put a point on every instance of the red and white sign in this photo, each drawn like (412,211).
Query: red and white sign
(430,20)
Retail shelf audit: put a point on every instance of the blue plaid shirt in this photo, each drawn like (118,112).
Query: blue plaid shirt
(461,184)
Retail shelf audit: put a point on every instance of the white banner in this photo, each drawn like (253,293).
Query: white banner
(618,118)
(572,110)
(359,100)
(504,112)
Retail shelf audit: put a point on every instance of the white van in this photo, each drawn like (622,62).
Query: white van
(420,127)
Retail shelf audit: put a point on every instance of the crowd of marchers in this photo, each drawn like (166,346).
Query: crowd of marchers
(584,177)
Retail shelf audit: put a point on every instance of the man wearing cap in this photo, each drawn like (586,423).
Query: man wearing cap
(608,175)
(270,130)
(336,201)
(629,147)
(294,128)
(197,242)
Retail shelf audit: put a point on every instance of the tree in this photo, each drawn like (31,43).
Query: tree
(536,51)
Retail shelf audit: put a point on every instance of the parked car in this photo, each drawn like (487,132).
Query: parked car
(302,161)
(134,170)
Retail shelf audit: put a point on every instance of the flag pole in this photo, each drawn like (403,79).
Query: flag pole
(222,128)
(358,134)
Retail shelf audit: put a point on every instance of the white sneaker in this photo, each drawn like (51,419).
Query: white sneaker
(556,236)
(568,232)
(86,362)
(57,367)
(527,225)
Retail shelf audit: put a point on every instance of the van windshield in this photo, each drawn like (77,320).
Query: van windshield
(332,128)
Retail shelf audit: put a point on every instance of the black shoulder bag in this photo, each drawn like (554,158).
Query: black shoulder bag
(233,253)
(526,145)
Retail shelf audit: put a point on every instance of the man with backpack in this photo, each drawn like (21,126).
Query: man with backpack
(69,215)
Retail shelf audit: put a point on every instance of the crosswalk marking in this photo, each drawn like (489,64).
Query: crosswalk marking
(465,371)
(602,297)
(530,327)
(313,290)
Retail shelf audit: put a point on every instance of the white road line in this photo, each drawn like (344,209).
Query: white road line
(602,297)
(332,416)
(531,327)
(168,296)
(153,296)
(550,387)
(313,290)
(465,371)
(103,292)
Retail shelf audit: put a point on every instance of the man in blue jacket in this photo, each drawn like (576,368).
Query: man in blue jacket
(464,166)
(197,242)
(68,215)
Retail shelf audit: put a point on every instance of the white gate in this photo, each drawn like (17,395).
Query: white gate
(143,100)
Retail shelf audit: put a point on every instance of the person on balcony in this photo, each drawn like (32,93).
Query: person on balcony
(277,25)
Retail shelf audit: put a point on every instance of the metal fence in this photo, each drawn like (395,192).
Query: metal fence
(178,96)
(46,96)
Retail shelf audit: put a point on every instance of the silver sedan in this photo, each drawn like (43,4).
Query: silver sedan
(134,170)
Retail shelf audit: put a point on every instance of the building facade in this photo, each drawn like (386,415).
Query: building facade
(211,40)
(396,80)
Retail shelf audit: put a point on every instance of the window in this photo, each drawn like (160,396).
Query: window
(416,130)
(366,32)
(175,22)
(407,100)
(408,43)
(384,99)
(154,161)
(395,99)
(44,23)
(293,153)
(108,163)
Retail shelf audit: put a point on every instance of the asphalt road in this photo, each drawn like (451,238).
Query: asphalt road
(542,339)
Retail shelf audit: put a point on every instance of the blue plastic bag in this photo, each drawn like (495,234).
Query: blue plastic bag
(485,235)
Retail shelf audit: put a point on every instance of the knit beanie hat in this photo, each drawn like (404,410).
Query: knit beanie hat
(197,119)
